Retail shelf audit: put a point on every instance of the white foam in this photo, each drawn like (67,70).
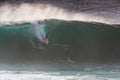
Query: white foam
(34,12)
(26,75)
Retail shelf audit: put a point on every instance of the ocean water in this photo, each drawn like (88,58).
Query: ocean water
(68,40)
(76,51)
(83,73)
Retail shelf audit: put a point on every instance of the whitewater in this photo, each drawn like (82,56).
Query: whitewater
(25,12)
(105,72)
(10,75)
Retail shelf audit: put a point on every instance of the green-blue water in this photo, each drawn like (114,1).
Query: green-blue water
(69,41)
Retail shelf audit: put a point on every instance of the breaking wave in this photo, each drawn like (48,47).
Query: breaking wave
(33,12)
(69,42)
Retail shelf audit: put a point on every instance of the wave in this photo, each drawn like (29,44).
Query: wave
(69,42)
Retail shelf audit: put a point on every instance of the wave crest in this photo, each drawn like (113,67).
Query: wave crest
(34,12)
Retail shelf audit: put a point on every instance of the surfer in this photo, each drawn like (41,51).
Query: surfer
(45,39)
(40,35)
(40,32)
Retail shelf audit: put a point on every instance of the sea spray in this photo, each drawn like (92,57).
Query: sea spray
(34,12)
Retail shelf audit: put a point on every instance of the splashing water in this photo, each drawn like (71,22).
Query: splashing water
(33,12)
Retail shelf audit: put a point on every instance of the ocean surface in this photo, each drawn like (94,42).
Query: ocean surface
(82,72)
(76,51)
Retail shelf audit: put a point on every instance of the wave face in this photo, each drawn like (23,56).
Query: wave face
(69,42)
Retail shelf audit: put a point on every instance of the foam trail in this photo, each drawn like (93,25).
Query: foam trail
(34,12)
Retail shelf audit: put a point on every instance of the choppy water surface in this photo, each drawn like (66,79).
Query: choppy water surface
(81,73)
